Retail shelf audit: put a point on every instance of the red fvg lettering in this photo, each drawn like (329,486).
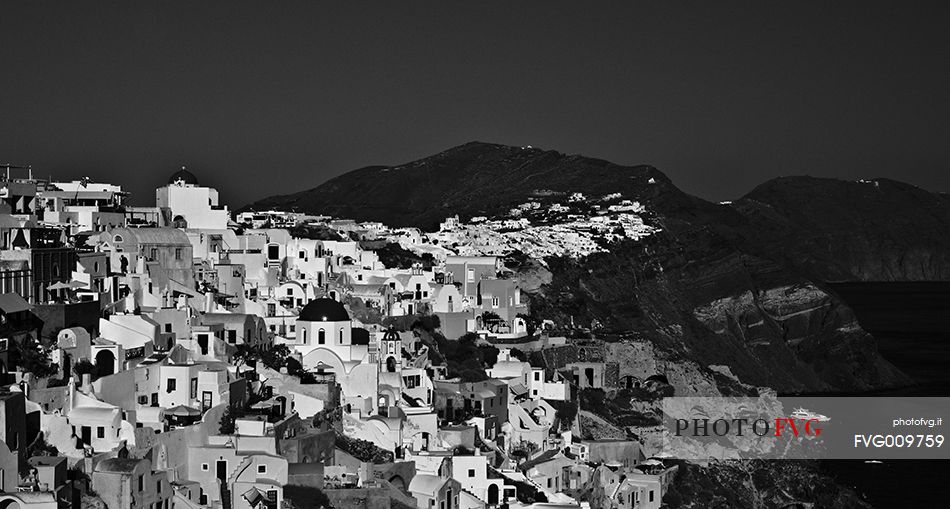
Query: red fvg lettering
(787,422)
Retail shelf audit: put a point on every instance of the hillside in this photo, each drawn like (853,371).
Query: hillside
(740,285)
(472,180)
(875,230)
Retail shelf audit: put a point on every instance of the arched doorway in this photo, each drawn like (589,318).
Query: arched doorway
(492,494)
(391,364)
(105,362)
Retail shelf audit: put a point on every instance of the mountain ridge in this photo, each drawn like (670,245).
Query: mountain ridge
(492,172)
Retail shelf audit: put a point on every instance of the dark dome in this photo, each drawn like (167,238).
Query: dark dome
(324,310)
(391,335)
(185,175)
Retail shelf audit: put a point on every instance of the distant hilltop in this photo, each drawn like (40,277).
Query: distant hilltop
(474,179)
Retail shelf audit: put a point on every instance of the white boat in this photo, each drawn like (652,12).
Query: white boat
(808,415)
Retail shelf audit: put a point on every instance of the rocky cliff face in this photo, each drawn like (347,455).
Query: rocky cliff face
(770,327)
(738,286)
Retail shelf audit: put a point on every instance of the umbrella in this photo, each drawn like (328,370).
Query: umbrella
(183,411)
(253,496)
(59,285)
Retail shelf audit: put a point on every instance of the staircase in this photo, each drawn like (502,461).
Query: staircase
(225,495)
(226,485)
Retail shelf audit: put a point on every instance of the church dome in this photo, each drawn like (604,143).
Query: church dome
(324,310)
(185,175)
(391,335)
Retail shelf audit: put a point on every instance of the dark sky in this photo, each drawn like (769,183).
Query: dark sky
(275,97)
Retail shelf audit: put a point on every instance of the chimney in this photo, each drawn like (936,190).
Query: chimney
(86,387)
(70,394)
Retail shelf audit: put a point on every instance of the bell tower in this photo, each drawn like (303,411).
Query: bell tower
(390,358)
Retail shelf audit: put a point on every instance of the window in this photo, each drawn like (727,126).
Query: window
(290,292)
(168,327)
(117,239)
(153,254)
(537,376)
(100,432)
(204,467)
(143,400)
(471,274)
(471,472)
(178,253)
(341,336)
(262,469)
(141,483)
(494,302)
(194,388)
(158,486)
(321,336)
(651,495)
(232,336)
(172,385)
(304,332)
